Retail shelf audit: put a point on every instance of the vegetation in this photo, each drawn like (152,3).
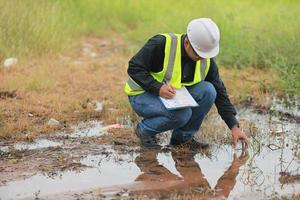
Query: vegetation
(262,34)
(72,57)
(260,37)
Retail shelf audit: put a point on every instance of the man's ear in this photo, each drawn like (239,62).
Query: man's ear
(186,42)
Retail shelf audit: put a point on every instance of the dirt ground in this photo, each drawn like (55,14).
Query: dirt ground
(112,165)
(68,87)
(64,87)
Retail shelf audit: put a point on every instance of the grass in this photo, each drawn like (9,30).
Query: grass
(29,27)
(55,74)
(61,87)
(263,34)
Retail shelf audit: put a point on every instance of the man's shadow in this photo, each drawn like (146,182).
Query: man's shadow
(158,179)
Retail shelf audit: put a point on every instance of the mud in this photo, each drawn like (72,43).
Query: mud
(98,163)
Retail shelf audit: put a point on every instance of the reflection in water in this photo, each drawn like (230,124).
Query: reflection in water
(191,177)
(227,181)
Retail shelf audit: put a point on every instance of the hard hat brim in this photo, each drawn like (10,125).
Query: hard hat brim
(209,54)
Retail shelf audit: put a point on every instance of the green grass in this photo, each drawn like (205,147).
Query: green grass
(257,33)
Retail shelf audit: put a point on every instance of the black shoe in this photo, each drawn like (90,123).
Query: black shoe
(192,143)
(146,140)
(199,143)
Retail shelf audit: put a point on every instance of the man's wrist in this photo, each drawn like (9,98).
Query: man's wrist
(235,126)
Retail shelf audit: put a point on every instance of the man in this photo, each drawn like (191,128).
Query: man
(185,60)
(191,174)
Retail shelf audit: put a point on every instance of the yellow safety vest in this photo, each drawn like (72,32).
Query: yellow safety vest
(171,71)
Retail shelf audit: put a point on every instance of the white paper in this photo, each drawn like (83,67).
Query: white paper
(181,99)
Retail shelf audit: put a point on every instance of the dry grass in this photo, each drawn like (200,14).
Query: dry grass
(251,85)
(61,87)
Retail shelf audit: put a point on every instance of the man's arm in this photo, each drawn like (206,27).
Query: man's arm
(227,182)
(224,106)
(148,59)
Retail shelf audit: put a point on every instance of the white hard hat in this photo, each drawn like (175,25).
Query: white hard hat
(204,36)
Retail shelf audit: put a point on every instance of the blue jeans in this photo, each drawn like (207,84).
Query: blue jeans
(184,122)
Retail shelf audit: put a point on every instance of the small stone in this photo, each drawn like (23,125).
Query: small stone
(93,55)
(125,195)
(4,149)
(92,105)
(53,122)
(89,106)
(30,115)
(9,62)
(99,106)
(86,50)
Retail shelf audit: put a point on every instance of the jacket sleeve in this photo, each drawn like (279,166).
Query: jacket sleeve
(148,59)
(222,102)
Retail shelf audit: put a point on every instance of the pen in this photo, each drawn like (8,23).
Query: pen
(171,88)
(165,81)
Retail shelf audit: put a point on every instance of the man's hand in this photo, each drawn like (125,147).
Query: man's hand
(237,135)
(167,91)
(237,162)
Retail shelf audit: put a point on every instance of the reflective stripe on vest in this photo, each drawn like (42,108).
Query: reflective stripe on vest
(171,62)
(203,68)
(172,51)
(134,86)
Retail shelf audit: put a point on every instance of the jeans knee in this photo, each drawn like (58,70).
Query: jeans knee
(180,117)
(209,91)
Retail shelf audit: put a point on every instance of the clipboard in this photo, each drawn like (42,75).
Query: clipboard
(181,99)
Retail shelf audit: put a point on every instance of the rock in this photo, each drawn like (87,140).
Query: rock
(92,105)
(86,51)
(89,106)
(93,54)
(99,106)
(30,115)
(53,122)
(9,62)
(4,149)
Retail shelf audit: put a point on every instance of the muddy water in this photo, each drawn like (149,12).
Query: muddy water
(79,166)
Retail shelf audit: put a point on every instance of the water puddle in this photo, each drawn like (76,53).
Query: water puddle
(269,169)
(103,171)
(94,130)
(286,105)
(35,145)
